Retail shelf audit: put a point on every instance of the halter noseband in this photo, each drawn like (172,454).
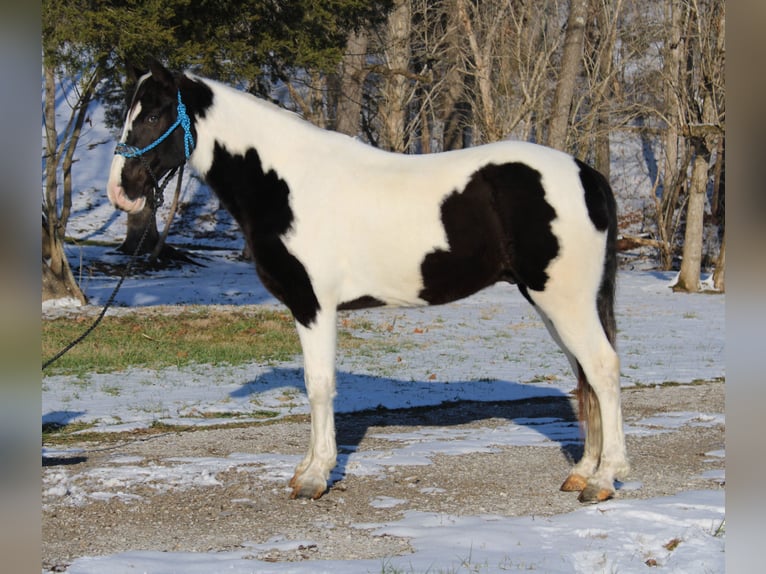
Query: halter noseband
(129,151)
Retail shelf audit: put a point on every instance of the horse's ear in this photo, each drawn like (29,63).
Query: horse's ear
(134,72)
(161,74)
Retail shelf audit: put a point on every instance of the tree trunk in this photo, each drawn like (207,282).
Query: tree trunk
(570,66)
(393,105)
(160,247)
(57,278)
(485,114)
(720,266)
(691,264)
(703,93)
(607,22)
(718,203)
(453,108)
(139,223)
(350,84)
(674,170)
(145,221)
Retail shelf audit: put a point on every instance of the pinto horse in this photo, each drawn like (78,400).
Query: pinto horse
(334,224)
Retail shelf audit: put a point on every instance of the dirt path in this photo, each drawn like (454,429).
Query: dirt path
(239,505)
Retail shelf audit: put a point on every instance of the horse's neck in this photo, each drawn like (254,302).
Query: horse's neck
(239,122)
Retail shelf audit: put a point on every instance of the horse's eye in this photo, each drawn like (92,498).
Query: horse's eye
(153,119)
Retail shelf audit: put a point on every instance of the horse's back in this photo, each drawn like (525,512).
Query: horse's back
(432,229)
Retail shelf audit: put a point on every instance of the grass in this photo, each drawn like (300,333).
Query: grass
(694,382)
(197,334)
(54,434)
(466,566)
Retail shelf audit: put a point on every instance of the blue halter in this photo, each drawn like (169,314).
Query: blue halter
(129,151)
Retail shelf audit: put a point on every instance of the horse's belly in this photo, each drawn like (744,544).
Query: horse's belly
(389,287)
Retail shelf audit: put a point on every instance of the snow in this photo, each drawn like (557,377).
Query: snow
(489,347)
(676,534)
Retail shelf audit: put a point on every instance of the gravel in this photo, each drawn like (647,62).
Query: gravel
(239,505)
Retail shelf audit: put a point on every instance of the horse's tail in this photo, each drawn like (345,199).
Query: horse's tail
(588,403)
(609,278)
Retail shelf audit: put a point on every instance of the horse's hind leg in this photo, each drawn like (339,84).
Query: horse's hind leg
(588,411)
(579,332)
(318,345)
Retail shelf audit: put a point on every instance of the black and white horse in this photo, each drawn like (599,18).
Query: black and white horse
(335,224)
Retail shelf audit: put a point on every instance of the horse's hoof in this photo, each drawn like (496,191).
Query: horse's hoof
(574,483)
(307,488)
(311,493)
(593,493)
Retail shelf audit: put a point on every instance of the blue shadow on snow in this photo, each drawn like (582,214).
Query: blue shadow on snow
(547,411)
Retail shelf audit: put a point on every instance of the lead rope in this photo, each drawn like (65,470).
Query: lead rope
(157,201)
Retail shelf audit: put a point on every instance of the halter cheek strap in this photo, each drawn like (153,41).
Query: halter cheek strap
(182,119)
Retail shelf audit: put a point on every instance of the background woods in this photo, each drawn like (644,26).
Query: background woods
(634,87)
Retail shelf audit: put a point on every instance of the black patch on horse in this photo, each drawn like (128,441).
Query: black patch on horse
(259,203)
(363,302)
(597,195)
(498,228)
(197,96)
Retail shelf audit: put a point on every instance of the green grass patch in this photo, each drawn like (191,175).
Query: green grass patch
(258,414)
(197,334)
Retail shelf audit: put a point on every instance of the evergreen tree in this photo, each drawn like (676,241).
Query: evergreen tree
(252,43)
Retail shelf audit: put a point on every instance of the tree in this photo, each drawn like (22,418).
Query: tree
(348,85)
(483,68)
(598,105)
(675,161)
(79,43)
(395,91)
(58,280)
(251,43)
(571,61)
(481,64)
(702,96)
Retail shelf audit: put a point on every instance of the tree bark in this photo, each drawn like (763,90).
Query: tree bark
(482,76)
(689,275)
(674,170)
(704,90)
(394,96)
(58,280)
(455,111)
(720,266)
(159,247)
(350,85)
(607,21)
(570,66)
(138,223)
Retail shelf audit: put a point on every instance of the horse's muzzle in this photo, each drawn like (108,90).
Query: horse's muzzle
(119,199)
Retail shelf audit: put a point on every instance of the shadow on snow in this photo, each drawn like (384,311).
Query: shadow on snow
(547,411)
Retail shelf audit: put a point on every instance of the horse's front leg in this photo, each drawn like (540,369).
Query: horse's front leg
(318,343)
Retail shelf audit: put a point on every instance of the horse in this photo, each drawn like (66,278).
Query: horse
(333,223)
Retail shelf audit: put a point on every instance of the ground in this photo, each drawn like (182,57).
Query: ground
(240,504)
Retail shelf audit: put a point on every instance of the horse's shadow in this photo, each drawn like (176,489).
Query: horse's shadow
(53,421)
(379,401)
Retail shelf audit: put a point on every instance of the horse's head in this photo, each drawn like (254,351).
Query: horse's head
(158,136)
